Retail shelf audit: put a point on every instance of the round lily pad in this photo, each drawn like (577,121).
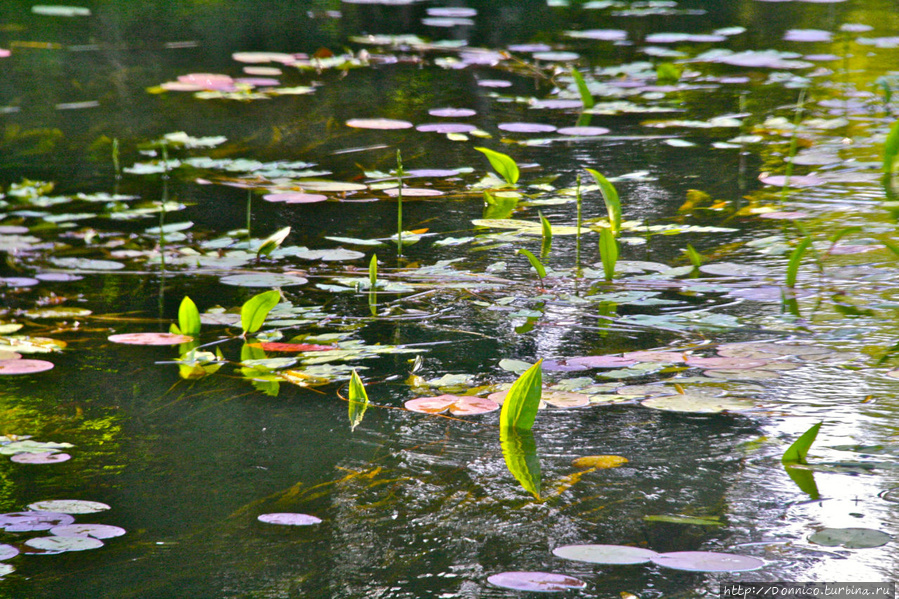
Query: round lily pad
(150,338)
(741,375)
(663,357)
(18,366)
(707,561)
(494,83)
(605,554)
(331,186)
(9,355)
(566,399)
(453,113)
(59,312)
(69,506)
(602,361)
(69,543)
(725,363)
(457,405)
(582,131)
(87,264)
(43,457)
(263,279)
(98,531)
(18,281)
(8,551)
(288,519)
(544,582)
(561,366)
(6,569)
(526,127)
(295,197)
(412,192)
(446,128)
(850,538)
(378,124)
(701,404)
(30,521)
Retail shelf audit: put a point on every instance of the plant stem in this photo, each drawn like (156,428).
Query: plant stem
(794,142)
(577,243)
(399,205)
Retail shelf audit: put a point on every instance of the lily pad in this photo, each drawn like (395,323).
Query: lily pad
(31,521)
(605,554)
(8,551)
(98,531)
(457,405)
(707,561)
(69,506)
(526,127)
(87,264)
(295,197)
(544,582)
(263,279)
(59,312)
(452,112)
(566,399)
(380,124)
(602,361)
(18,366)
(288,519)
(725,363)
(56,544)
(699,404)
(850,538)
(582,131)
(150,338)
(5,568)
(32,446)
(43,457)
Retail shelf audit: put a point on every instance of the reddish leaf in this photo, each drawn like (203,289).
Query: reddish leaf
(457,405)
(291,347)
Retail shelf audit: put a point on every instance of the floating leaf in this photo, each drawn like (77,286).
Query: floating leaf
(796,453)
(150,339)
(31,521)
(523,400)
(700,404)
(68,506)
(98,531)
(565,399)
(32,446)
(600,462)
(850,538)
(288,519)
(536,581)
(56,544)
(7,552)
(58,312)
(19,366)
(291,347)
(707,561)
(504,165)
(605,554)
(263,279)
(44,457)
(457,405)
(256,309)
(380,124)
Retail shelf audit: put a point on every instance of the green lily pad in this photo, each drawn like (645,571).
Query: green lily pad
(708,561)
(605,554)
(86,264)
(850,538)
(263,279)
(59,312)
(700,404)
(68,506)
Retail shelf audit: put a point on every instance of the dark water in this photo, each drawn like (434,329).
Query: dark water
(414,505)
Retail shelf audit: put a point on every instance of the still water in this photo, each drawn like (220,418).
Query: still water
(737,128)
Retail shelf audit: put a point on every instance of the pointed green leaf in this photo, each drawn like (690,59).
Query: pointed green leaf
(694,256)
(608,251)
(188,318)
(520,453)
(255,309)
(504,165)
(795,453)
(547,229)
(541,270)
(373,271)
(523,399)
(891,149)
(610,197)
(586,96)
(358,400)
(270,243)
(795,261)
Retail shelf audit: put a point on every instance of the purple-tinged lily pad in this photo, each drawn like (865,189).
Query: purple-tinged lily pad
(19,281)
(210,81)
(446,128)
(677,38)
(453,113)
(258,81)
(150,338)
(582,131)
(18,366)
(294,197)
(785,215)
(56,544)
(543,582)
(494,83)
(661,357)
(529,48)
(561,366)
(413,192)
(557,104)
(807,35)
(526,127)
(457,405)
(288,519)
(841,249)
(57,277)
(451,11)
(698,404)
(605,35)
(264,279)
(69,506)
(8,551)
(602,361)
(707,561)
(556,56)
(263,57)
(793,181)
(31,521)
(98,531)
(43,457)
(605,554)
(382,124)
(566,399)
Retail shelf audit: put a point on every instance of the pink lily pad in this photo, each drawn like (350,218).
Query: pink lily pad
(663,357)
(31,521)
(410,192)
(288,519)
(582,131)
(707,561)
(381,124)
(557,104)
(561,366)
(784,215)
(536,581)
(211,81)
(605,554)
(294,197)
(457,405)
(807,35)
(602,361)
(446,128)
(150,339)
(4,53)
(8,551)
(43,457)
(98,531)
(18,366)
(526,127)
(794,181)
(453,113)
(726,363)
(852,249)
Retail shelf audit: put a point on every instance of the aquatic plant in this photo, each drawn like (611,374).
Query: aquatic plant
(535,263)
(255,310)
(798,450)
(608,252)
(188,319)
(586,96)
(610,197)
(358,400)
(522,400)
(891,149)
(547,232)
(505,165)
(399,203)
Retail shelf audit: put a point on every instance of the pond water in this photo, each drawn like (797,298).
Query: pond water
(156,150)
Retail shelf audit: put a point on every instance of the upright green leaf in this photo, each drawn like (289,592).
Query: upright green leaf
(541,270)
(694,256)
(795,261)
(795,453)
(520,453)
(270,243)
(255,310)
(610,197)
(608,251)
(523,399)
(891,149)
(586,96)
(358,400)
(373,271)
(503,164)
(547,236)
(188,317)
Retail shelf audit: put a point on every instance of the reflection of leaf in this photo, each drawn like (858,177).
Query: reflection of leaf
(358,400)
(523,400)
(804,479)
(520,453)
(505,166)
(795,453)
(255,309)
